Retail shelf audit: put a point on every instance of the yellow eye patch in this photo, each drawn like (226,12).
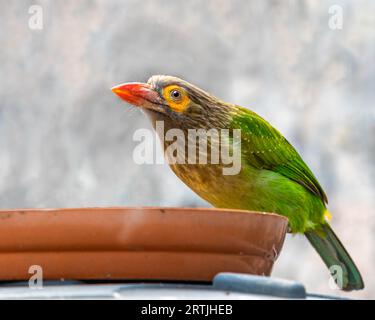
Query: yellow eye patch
(177,98)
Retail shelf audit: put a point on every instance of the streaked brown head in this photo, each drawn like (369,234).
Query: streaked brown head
(175,101)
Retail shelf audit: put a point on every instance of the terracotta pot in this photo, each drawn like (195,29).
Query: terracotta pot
(138,243)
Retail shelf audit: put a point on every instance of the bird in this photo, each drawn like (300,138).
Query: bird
(273,176)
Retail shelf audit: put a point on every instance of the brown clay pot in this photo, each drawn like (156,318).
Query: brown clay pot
(138,243)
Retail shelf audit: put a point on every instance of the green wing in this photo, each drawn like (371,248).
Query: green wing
(266,148)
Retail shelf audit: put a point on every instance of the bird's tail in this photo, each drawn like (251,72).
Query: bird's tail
(336,258)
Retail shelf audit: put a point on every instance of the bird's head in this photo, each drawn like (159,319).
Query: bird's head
(175,101)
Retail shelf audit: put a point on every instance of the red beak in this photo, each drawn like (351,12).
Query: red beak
(137,94)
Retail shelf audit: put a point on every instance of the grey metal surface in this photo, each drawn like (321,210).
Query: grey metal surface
(226,286)
(126,292)
(266,286)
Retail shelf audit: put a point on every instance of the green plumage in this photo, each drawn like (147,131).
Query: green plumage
(281,170)
(265,149)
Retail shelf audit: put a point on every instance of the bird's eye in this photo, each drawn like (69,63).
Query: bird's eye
(176,97)
(175,94)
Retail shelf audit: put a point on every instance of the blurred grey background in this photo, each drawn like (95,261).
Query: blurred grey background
(66,139)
